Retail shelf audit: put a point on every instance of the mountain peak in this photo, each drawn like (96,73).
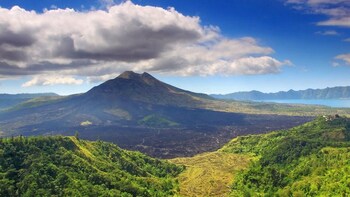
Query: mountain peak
(144,77)
(129,75)
(147,75)
(146,88)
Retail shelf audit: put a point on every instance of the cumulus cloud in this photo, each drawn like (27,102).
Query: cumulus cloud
(318,2)
(52,80)
(343,21)
(344,57)
(254,65)
(328,33)
(338,11)
(97,44)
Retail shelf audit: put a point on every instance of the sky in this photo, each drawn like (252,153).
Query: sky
(206,46)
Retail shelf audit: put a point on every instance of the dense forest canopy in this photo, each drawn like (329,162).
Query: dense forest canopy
(310,160)
(67,166)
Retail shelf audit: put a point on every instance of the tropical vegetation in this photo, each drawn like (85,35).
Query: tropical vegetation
(68,166)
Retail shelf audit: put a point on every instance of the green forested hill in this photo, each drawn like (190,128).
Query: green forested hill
(67,166)
(309,160)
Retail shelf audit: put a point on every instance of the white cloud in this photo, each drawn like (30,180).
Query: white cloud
(254,65)
(342,22)
(101,43)
(335,64)
(52,80)
(318,2)
(338,11)
(328,33)
(344,57)
(295,1)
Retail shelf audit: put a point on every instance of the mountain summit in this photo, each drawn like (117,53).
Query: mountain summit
(135,76)
(144,88)
(124,100)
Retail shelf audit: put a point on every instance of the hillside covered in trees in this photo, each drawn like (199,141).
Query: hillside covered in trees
(310,160)
(67,166)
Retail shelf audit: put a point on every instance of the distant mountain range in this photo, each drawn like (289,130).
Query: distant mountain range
(10,100)
(327,93)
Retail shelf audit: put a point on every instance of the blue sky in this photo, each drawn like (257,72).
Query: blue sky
(204,46)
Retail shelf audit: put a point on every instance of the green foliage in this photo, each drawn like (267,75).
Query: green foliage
(76,135)
(157,121)
(36,102)
(309,160)
(64,166)
(85,123)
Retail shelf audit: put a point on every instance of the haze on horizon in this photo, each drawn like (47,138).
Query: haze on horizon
(204,46)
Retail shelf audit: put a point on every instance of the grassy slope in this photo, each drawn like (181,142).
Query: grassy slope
(210,174)
(309,160)
(66,166)
(35,102)
(157,121)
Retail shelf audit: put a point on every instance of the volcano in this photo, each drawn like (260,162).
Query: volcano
(139,112)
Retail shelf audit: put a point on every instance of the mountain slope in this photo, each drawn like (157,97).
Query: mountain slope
(67,166)
(121,101)
(145,88)
(10,100)
(327,93)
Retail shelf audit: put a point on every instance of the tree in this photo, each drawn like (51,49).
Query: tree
(76,135)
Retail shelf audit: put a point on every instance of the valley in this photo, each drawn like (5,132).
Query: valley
(308,160)
(186,140)
(203,146)
(139,112)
